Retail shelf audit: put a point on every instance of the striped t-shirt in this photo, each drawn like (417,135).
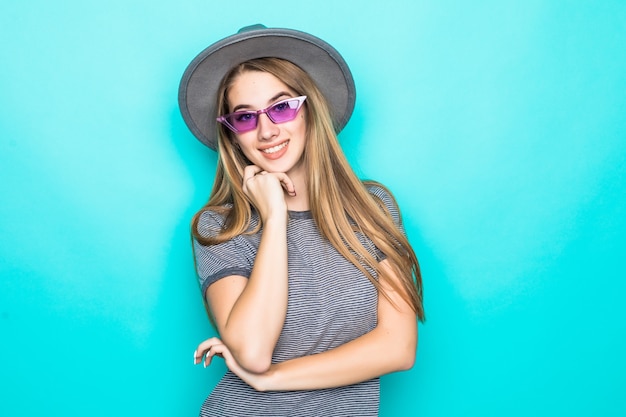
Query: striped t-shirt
(330,303)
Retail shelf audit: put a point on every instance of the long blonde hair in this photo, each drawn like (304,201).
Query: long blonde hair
(340,204)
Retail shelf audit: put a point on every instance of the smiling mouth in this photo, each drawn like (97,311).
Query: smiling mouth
(276,148)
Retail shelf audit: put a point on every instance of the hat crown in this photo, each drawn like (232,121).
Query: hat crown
(197,93)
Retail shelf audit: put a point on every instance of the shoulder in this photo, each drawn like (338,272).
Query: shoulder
(378,190)
(381,194)
(384,198)
(212,221)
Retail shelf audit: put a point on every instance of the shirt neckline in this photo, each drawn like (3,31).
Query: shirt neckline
(300,214)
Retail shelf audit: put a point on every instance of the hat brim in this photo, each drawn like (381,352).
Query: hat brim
(201,79)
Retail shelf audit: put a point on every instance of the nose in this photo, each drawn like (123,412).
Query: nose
(266,128)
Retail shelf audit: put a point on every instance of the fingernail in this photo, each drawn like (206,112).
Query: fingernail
(194,357)
(204,363)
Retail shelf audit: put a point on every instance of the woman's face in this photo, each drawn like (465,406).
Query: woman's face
(272,147)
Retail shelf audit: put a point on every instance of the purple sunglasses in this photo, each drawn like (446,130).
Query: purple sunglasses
(280,112)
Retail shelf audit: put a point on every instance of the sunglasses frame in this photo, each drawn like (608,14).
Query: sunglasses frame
(224,119)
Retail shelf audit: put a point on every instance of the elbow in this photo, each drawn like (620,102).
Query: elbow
(397,349)
(254,362)
(406,361)
(405,356)
(252,357)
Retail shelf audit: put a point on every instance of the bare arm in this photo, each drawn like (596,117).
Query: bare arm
(389,347)
(249,313)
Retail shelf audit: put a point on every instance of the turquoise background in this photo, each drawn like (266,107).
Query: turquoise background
(499,125)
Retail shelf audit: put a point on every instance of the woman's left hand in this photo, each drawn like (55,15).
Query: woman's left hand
(214,347)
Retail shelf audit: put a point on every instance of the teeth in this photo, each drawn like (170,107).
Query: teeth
(276,148)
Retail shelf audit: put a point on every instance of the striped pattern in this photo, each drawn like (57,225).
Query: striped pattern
(330,303)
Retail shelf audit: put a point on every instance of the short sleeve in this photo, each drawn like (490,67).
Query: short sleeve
(214,262)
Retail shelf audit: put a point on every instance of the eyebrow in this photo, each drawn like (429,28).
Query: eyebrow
(271,101)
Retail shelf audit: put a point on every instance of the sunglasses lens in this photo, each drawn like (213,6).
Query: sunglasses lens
(284,111)
(243,121)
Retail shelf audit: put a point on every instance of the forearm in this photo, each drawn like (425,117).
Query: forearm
(372,355)
(256,319)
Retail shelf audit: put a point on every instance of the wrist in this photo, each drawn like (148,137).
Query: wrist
(277,219)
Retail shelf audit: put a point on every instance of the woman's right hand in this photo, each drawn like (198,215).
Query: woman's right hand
(214,347)
(267,191)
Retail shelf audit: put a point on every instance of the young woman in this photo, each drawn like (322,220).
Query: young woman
(305,269)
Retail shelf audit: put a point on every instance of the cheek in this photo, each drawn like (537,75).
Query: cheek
(303,129)
(242,141)
(244,146)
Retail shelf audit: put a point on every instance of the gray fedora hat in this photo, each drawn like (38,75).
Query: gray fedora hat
(200,82)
